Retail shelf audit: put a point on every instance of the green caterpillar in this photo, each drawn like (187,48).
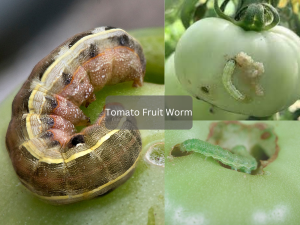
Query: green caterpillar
(251,69)
(238,158)
(227,82)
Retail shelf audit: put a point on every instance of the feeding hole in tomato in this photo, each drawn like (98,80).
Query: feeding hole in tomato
(176,151)
(259,140)
(155,154)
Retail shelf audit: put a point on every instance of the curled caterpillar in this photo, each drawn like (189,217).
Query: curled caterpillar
(251,70)
(227,80)
(52,160)
(238,158)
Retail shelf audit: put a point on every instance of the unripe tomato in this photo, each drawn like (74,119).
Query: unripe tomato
(266,76)
(201,109)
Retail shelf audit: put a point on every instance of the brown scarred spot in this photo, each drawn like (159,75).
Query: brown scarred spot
(205,89)
(265,135)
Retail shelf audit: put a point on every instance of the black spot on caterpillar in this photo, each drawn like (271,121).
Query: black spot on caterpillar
(109,27)
(75,140)
(93,50)
(53,161)
(66,78)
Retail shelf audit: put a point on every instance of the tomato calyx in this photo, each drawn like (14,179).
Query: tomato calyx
(254,15)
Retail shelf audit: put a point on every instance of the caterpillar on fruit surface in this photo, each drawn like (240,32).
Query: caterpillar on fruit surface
(227,81)
(251,70)
(52,160)
(238,158)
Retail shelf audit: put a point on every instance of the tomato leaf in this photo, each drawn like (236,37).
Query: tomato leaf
(187,10)
(200,11)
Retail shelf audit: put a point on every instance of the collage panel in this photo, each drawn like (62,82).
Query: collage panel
(237,59)
(60,164)
(231,172)
(239,62)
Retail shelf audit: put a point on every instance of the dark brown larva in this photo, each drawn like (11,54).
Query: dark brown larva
(50,158)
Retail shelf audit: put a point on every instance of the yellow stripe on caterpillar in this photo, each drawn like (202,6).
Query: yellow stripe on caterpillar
(65,197)
(41,157)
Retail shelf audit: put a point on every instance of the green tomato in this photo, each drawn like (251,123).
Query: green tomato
(198,190)
(266,75)
(138,201)
(201,109)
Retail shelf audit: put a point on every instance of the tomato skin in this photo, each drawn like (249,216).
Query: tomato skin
(206,46)
(201,109)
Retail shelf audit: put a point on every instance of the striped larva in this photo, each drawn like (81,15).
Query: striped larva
(251,70)
(52,160)
(238,158)
(227,80)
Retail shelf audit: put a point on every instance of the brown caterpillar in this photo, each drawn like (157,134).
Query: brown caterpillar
(52,160)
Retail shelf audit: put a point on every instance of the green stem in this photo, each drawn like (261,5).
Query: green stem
(256,15)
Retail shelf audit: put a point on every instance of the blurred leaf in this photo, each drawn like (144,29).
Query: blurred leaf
(172,34)
(289,14)
(274,2)
(187,11)
(172,8)
(200,11)
(295,4)
(170,4)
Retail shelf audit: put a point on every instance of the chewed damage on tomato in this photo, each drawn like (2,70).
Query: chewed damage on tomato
(235,146)
(239,71)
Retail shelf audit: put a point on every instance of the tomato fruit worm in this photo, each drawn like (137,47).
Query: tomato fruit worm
(52,160)
(238,158)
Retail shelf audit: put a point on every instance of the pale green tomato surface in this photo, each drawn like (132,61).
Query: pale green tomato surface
(139,201)
(208,44)
(200,191)
(201,109)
